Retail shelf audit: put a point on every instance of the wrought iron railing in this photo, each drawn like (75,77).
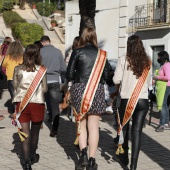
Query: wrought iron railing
(150,15)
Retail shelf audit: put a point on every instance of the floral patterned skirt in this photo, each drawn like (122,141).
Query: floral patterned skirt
(98,105)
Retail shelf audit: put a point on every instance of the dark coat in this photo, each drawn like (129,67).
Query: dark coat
(81,64)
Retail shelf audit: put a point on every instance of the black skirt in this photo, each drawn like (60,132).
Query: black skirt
(98,105)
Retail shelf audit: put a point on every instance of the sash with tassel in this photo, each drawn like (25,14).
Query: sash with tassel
(30,92)
(131,104)
(90,90)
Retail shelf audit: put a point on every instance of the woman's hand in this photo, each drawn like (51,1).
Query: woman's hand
(155,77)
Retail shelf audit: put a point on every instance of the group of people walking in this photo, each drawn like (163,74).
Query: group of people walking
(34,78)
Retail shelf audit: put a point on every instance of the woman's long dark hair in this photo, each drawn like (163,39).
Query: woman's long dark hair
(136,56)
(164,57)
(88,36)
(31,58)
(75,42)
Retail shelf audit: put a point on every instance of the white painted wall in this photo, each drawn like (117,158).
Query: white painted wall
(107,21)
(112,24)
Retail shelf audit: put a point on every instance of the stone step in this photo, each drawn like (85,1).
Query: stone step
(47,23)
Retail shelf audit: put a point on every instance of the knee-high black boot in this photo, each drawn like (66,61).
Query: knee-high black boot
(133,165)
(83,161)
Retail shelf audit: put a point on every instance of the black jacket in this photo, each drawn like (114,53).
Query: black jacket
(81,64)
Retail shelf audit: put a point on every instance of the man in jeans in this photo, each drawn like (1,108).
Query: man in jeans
(53,60)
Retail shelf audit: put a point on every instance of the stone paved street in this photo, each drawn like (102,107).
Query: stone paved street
(60,153)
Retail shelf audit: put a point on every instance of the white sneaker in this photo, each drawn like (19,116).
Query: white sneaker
(166,127)
(109,110)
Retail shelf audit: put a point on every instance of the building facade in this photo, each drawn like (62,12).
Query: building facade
(117,20)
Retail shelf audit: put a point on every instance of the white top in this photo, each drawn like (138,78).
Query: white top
(129,80)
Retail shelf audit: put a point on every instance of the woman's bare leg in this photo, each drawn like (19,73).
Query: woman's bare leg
(83,135)
(93,129)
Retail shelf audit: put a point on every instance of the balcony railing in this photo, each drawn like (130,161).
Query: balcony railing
(150,16)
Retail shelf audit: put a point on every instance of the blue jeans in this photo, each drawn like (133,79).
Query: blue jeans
(164,114)
(53,97)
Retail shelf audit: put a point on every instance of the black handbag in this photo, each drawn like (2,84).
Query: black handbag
(3,80)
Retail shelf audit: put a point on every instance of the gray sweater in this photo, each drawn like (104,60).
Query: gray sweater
(53,60)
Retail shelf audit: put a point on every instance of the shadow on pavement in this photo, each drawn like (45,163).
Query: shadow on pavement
(154,150)
(17,147)
(1,93)
(9,106)
(106,143)
(65,138)
(48,124)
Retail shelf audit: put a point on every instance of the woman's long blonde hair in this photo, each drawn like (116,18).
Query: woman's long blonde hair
(15,51)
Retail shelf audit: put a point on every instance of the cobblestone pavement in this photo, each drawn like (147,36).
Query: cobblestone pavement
(60,153)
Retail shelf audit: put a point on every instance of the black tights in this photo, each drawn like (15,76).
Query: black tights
(138,119)
(29,145)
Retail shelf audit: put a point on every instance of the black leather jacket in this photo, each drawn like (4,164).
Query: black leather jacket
(81,64)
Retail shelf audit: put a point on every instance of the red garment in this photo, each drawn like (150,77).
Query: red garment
(4,48)
(33,112)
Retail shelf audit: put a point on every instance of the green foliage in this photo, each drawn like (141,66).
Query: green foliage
(8,4)
(27,33)
(16,2)
(62,6)
(11,17)
(1,6)
(54,21)
(46,9)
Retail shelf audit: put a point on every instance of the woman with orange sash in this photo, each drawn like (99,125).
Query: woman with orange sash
(89,70)
(133,73)
(30,84)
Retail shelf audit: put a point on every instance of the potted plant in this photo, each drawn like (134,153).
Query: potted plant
(33,5)
(53,23)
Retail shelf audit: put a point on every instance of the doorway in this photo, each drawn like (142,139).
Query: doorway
(155,64)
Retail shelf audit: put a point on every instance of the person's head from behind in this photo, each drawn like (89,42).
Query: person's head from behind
(136,55)
(45,40)
(31,58)
(39,44)
(163,57)
(7,40)
(75,42)
(15,50)
(88,36)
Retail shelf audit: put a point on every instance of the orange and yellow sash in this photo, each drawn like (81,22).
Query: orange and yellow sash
(91,88)
(131,104)
(30,92)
